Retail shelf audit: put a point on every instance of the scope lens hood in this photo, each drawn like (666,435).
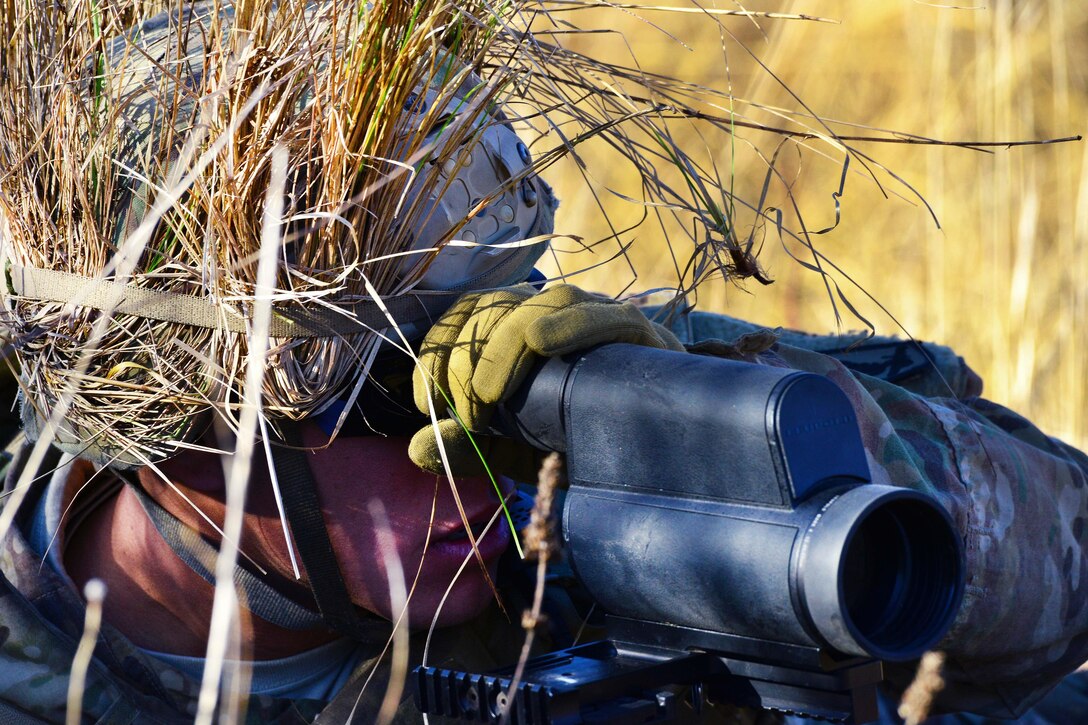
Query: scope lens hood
(880,572)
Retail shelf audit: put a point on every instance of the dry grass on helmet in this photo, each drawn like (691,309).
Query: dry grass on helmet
(136,143)
(146,159)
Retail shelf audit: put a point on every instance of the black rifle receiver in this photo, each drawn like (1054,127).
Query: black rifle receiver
(722,514)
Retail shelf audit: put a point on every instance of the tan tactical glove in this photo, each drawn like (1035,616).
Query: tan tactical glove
(483,348)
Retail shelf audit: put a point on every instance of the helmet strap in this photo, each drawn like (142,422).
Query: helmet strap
(261,598)
(303,510)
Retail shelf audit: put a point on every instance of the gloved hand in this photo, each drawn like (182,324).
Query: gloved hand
(483,348)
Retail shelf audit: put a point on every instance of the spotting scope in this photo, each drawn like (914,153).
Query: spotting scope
(722,514)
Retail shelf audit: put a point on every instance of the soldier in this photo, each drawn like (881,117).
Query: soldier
(148,526)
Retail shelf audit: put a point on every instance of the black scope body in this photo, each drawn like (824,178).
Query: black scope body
(724,496)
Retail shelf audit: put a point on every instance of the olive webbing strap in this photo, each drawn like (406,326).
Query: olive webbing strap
(260,598)
(303,510)
(288,320)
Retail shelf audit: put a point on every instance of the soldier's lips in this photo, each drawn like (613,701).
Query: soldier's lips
(450,541)
(456,544)
(462,533)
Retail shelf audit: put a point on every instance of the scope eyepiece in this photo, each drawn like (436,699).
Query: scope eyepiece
(879,572)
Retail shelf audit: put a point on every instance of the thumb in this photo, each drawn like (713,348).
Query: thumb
(502,455)
(460,453)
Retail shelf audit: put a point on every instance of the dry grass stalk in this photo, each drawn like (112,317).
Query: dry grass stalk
(918,697)
(398,594)
(539,535)
(540,543)
(225,606)
(95,593)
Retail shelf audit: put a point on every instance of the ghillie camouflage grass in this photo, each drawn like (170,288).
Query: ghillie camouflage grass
(101,138)
(146,167)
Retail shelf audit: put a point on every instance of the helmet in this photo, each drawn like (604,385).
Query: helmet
(132,321)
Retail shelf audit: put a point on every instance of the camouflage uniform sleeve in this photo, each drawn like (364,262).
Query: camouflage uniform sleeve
(1018,497)
(1020,502)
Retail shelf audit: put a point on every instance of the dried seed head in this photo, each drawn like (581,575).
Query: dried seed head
(531,621)
(918,697)
(540,533)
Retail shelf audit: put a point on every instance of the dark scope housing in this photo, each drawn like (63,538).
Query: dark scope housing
(736,498)
(722,514)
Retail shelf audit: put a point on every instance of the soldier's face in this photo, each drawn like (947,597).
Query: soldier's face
(424,526)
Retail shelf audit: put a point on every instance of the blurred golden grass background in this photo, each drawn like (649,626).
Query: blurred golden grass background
(1004,279)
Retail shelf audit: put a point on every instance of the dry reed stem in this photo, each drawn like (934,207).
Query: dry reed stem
(918,697)
(237,676)
(94,591)
(539,535)
(398,595)
(225,603)
(540,543)
(399,621)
